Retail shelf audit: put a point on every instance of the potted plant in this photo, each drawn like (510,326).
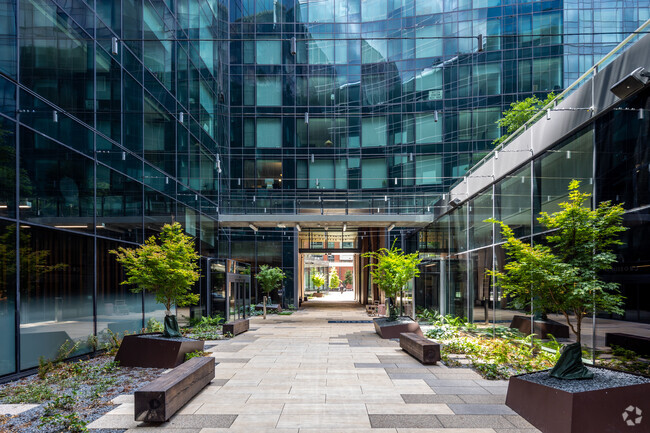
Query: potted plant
(167,267)
(563,276)
(391,269)
(318,280)
(348,279)
(269,279)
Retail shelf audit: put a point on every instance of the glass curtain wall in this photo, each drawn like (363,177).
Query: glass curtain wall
(112,126)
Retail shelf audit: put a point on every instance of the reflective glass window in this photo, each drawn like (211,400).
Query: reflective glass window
(269,133)
(269,52)
(428,42)
(269,91)
(373,131)
(8,297)
(373,173)
(428,170)
(428,128)
(373,10)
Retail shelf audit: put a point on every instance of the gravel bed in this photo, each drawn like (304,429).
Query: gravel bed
(89,404)
(602,379)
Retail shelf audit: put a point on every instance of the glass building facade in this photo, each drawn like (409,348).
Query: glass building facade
(118,116)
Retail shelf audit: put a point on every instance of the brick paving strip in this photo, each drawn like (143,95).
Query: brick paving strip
(301,374)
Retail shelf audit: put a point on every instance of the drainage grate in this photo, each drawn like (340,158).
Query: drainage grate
(349,321)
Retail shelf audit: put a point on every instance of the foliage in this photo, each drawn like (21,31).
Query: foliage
(334,279)
(71,422)
(65,351)
(318,280)
(348,277)
(392,269)
(206,328)
(153,325)
(564,276)
(269,278)
(493,357)
(285,313)
(196,354)
(519,113)
(167,268)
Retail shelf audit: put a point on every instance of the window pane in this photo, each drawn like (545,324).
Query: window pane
(487,79)
(374,50)
(373,10)
(269,133)
(427,130)
(427,43)
(269,52)
(321,174)
(428,170)
(269,91)
(373,173)
(341,167)
(269,173)
(8,298)
(321,52)
(373,131)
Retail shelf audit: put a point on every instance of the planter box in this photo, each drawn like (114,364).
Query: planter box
(317,295)
(608,410)
(386,329)
(155,351)
(542,328)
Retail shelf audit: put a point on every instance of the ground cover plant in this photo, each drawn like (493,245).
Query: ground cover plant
(70,395)
(495,352)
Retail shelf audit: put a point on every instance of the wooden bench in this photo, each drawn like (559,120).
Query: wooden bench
(636,343)
(159,400)
(422,349)
(237,326)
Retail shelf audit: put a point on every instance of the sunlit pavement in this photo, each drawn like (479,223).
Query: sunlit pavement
(318,371)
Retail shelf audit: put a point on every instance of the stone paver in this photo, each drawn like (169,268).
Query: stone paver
(15,409)
(302,374)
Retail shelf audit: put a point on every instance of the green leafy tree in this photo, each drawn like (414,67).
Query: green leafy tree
(166,267)
(563,276)
(519,113)
(269,278)
(391,270)
(318,280)
(348,277)
(334,279)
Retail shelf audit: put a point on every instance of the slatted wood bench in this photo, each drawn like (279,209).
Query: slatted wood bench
(159,400)
(237,326)
(422,349)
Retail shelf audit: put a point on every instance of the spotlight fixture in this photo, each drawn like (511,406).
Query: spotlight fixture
(298,227)
(345,227)
(253,227)
(435,116)
(294,48)
(455,202)
(282,226)
(114,46)
(390,227)
(633,82)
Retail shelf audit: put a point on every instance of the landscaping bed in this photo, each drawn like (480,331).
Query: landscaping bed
(501,352)
(70,395)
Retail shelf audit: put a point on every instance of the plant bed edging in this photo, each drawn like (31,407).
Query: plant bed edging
(155,351)
(387,329)
(607,410)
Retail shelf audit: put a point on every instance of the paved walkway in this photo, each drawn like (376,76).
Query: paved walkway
(314,372)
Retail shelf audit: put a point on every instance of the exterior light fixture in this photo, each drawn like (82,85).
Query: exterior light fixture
(181,117)
(294,48)
(634,81)
(253,227)
(282,226)
(306,117)
(345,227)
(390,227)
(114,46)
(55,116)
(435,116)
(480,43)
(641,114)
(548,114)
(298,227)
(496,155)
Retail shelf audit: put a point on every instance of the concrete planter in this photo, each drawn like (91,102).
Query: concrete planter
(607,410)
(317,295)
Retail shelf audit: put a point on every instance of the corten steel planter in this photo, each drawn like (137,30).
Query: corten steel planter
(610,410)
(317,295)
(387,329)
(542,327)
(155,351)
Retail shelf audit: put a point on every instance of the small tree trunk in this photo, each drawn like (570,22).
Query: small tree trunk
(579,328)
(264,306)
